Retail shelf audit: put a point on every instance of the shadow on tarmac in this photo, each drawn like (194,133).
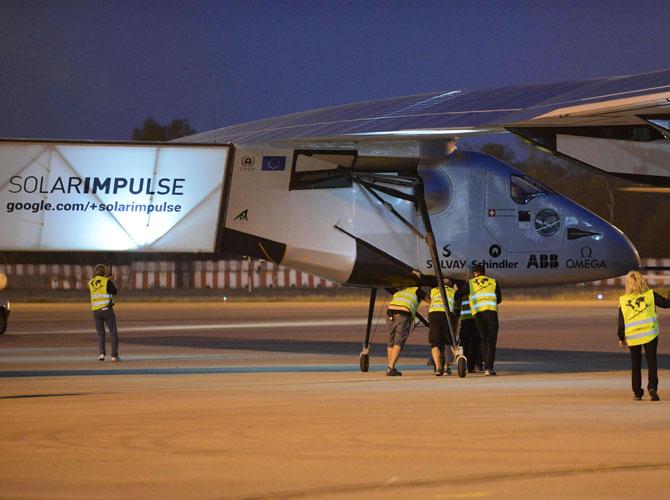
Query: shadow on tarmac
(517,360)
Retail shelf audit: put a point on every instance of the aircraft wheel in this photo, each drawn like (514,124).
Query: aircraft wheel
(364,361)
(462,363)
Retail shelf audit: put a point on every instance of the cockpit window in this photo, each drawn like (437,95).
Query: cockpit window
(523,189)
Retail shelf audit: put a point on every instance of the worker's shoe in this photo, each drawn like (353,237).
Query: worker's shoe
(448,372)
(638,395)
(490,373)
(392,372)
(115,359)
(101,357)
(654,395)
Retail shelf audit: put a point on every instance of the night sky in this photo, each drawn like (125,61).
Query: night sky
(95,70)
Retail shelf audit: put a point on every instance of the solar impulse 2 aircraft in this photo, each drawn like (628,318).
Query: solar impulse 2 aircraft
(368,194)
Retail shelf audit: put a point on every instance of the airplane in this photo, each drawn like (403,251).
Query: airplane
(365,185)
(376,195)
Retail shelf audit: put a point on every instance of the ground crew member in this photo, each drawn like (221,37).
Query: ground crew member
(102,289)
(438,333)
(638,326)
(470,340)
(485,296)
(399,317)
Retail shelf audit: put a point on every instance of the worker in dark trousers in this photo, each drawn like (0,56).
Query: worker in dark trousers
(467,333)
(438,333)
(485,295)
(638,327)
(102,290)
(400,315)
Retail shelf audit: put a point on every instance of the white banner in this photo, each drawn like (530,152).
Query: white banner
(110,197)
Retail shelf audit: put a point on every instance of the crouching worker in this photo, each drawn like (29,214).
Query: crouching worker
(438,334)
(399,318)
(638,326)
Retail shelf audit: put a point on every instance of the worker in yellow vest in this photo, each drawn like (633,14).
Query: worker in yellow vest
(485,295)
(638,326)
(467,331)
(399,317)
(438,333)
(102,289)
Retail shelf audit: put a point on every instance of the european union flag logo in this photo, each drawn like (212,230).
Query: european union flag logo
(274,163)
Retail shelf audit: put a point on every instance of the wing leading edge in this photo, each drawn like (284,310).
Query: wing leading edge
(619,124)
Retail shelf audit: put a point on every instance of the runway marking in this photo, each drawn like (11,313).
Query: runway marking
(25,396)
(197,371)
(211,326)
(473,494)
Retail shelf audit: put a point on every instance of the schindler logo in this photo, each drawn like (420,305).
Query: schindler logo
(243,216)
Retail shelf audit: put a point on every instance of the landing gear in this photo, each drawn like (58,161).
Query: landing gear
(364,356)
(372,184)
(461,363)
(364,360)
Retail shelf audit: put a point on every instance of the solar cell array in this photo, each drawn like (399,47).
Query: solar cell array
(475,109)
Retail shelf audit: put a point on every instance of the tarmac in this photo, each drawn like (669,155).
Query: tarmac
(252,400)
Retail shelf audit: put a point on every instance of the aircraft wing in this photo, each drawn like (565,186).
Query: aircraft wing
(619,124)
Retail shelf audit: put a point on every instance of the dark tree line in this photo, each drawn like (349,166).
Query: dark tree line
(151,130)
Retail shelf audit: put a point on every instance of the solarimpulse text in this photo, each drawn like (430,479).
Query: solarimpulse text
(103,185)
(46,206)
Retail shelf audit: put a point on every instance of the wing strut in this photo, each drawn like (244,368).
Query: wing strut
(459,357)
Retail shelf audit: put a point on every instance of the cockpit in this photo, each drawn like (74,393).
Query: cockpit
(523,189)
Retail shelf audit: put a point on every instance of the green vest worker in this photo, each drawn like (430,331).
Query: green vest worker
(399,318)
(438,328)
(485,296)
(638,326)
(467,333)
(102,289)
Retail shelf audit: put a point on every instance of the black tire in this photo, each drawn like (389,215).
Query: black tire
(462,365)
(364,361)
(3,321)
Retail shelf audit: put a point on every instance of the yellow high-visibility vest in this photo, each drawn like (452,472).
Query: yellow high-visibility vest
(465,309)
(406,298)
(483,295)
(639,317)
(436,303)
(99,296)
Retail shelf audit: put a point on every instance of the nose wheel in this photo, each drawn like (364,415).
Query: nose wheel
(462,365)
(461,362)
(364,360)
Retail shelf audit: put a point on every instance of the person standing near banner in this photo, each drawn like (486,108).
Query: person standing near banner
(638,326)
(102,289)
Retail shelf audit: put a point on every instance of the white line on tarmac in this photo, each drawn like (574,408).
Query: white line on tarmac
(211,326)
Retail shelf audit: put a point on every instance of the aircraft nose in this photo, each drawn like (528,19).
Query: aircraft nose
(624,256)
(615,252)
